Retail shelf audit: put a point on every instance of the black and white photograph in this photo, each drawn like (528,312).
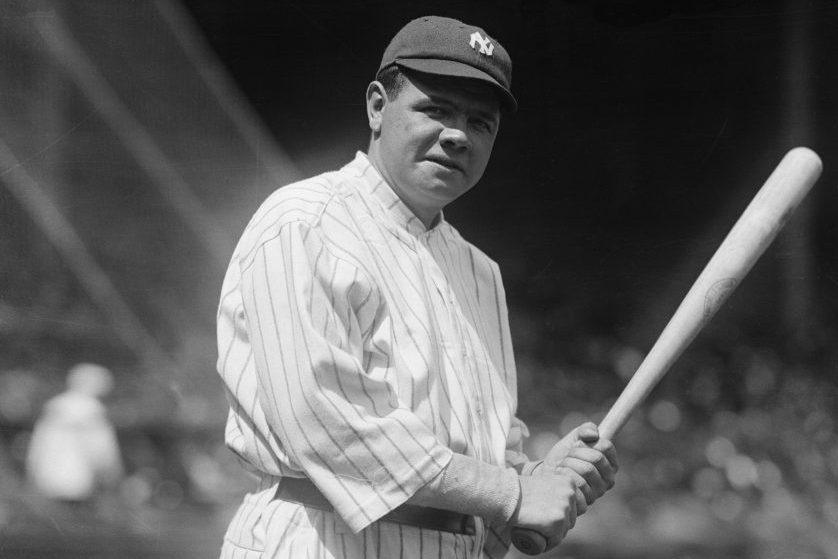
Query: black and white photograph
(467,279)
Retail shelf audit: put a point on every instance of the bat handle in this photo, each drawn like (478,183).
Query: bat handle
(528,541)
(614,420)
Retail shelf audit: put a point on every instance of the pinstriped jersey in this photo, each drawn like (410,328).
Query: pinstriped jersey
(359,348)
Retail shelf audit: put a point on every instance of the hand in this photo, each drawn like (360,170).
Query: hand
(591,462)
(547,505)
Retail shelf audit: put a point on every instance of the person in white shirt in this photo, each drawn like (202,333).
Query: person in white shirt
(74,452)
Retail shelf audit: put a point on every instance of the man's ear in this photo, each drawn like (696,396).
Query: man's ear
(376,100)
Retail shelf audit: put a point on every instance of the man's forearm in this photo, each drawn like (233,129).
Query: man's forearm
(470,486)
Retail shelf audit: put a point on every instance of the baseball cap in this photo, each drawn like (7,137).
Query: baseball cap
(449,47)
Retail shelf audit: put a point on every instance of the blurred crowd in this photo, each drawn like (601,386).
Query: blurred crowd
(77,444)
(736,450)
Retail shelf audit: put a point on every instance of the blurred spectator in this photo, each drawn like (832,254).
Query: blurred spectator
(74,451)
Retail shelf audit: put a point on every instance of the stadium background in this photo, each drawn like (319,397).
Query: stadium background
(137,137)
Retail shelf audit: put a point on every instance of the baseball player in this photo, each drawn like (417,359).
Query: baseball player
(365,347)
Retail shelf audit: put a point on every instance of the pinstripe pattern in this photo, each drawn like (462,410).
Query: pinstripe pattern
(361,350)
(300,532)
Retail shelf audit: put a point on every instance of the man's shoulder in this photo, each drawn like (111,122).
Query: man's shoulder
(302,203)
(305,200)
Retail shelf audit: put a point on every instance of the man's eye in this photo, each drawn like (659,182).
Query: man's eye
(434,111)
(482,125)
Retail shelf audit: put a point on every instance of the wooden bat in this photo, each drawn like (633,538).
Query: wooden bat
(750,236)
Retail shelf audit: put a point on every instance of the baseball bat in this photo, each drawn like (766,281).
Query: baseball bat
(755,229)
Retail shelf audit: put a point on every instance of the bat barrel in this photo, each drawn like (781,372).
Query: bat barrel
(770,209)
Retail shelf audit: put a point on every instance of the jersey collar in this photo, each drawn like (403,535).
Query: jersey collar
(390,201)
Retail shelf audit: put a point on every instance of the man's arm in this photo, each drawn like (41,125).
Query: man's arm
(546,504)
(308,313)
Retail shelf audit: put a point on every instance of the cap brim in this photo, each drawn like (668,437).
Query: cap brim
(458,69)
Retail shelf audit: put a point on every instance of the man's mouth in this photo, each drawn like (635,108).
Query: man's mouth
(447,163)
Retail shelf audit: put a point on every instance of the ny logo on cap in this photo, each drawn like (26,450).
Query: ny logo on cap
(486,47)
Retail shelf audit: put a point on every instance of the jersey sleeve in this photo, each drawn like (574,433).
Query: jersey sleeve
(308,313)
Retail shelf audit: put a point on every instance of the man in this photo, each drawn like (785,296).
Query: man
(74,454)
(365,345)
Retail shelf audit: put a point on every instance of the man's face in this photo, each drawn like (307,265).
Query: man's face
(435,139)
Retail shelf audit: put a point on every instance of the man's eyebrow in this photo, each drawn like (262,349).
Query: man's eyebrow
(491,116)
(482,113)
(442,100)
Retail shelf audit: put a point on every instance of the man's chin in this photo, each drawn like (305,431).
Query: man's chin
(449,178)
(440,184)
(449,191)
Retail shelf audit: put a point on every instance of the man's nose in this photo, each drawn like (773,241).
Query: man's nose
(454,136)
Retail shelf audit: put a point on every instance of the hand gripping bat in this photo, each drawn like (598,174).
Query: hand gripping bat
(750,236)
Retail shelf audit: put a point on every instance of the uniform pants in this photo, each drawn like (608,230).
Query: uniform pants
(268,528)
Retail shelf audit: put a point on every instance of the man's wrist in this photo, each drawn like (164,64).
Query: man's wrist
(470,486)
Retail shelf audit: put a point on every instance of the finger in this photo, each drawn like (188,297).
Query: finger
(584,492)
(589,473)
(596,458)
(582,502)
(607,448)
(588,463)
(572,514)
(587,432)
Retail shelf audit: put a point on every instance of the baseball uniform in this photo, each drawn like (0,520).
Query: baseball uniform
(360,349)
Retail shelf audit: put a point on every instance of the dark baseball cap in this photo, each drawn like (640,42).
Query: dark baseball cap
(448,47)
